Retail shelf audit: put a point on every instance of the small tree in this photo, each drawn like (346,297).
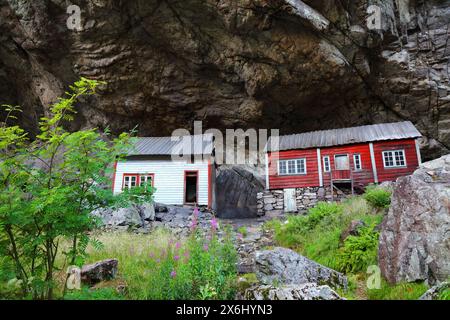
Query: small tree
(48,187)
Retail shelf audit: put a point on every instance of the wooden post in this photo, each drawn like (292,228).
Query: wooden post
(351,181)
(331,184)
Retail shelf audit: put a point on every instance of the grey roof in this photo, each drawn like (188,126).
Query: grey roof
(336,137)
(163,146)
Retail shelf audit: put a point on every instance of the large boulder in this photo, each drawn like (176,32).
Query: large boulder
(286,267)
(415,238)
(308,291)
(134,216)
(238,187)
(99,271)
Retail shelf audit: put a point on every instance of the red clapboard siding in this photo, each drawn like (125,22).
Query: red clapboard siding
(310,179)
(390,174)
(361,178)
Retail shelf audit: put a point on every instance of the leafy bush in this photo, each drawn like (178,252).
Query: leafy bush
(377,197)
(48,187)
(358,251)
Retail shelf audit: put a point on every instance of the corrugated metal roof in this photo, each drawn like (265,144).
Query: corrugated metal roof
(336,137)
(159,146)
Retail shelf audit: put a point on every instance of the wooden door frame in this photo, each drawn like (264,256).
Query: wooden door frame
(186,172)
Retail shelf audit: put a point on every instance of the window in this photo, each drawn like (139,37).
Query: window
(145,180)
(394,158)
(129,181)
(357,162)
(341,162)
(294,166)
(326,164)
(133,180)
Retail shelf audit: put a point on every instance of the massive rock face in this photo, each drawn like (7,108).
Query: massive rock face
(288,64)
(415,236)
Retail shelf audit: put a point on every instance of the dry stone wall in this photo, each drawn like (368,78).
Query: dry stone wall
(271,202)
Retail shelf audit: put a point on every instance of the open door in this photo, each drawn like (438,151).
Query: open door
(191,187)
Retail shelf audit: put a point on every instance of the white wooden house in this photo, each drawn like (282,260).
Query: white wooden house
(187,178)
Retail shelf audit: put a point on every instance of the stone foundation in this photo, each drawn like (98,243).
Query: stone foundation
(272,201)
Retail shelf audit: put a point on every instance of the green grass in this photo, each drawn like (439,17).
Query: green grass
(159,266)
(243,231)
(318,238)
(94,294)
(401,291)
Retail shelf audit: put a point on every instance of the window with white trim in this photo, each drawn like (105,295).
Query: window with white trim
(145,180)
(294,166)
(326,164)
(357,162)
(393,159)
(134,180)
(129,181)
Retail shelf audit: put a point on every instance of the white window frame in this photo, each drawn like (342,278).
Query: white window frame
(357,155)
(295,166)
(393,159)
(325,166)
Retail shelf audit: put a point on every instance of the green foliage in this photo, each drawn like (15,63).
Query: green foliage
(161,266)
(134,196)
(200,268)
(48,187)
(378,198)
(94,294)
(243,231)
(401,291)
(358,251)
(317,235)
(444,295)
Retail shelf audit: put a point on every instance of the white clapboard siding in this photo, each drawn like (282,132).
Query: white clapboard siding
(168,178)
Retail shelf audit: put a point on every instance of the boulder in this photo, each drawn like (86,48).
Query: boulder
(126,217)
(239,186)
(99,271)
(352,229)
(307,291)
(147,211)
(285,266)
(415,239)
(434,292)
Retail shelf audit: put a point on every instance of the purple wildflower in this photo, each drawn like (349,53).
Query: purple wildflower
(205,247)
(173,274)
(196,211)
(176,258)
(177,245)
(214,224)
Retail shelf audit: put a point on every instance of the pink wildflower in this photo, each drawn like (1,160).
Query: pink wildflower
(214,224)
(205,247)
(173,274)
(196,211)
(176,258)
(177,245)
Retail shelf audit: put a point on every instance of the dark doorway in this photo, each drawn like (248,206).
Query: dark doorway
(191,182)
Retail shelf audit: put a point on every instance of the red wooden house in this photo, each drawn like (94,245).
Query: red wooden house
(357,156)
